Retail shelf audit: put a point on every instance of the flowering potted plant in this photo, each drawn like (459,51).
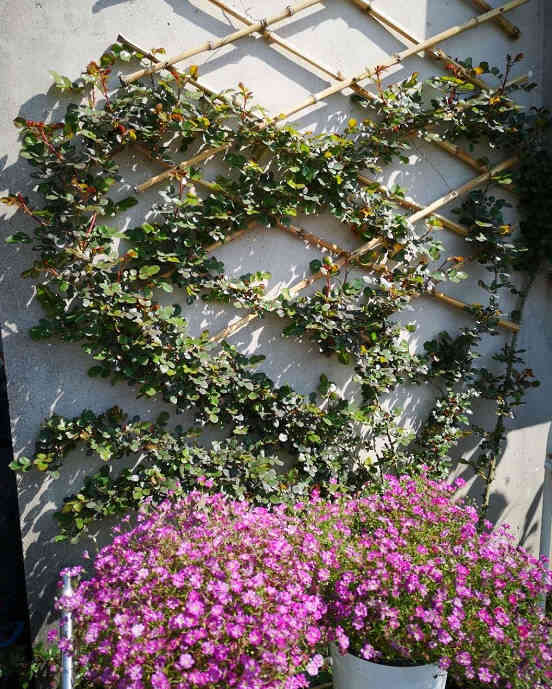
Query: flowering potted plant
(419,591)
(204,593)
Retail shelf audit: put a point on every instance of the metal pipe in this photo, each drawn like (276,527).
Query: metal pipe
(66,635)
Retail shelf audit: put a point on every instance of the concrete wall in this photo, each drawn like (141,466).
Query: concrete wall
(43,378)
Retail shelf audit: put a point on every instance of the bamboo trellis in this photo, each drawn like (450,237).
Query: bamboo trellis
(382,19)
(330,90)
(351,257)
(436,54)
(213,45)
(402,55)
(300,233)
(292,10)
(346,256)
(420,212)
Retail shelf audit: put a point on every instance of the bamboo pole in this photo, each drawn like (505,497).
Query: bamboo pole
(298,232)
(298,287)
(409,204)
(343,254)
(464,189)
(452,149)
(471,184)
(457,152)
(200,85)
(146,53)
(230,38)
(403,55)
(184,165)
(440,56)
(510,29)
(436,54)
(238,234)
(451,301)
(347,256)
(412,205)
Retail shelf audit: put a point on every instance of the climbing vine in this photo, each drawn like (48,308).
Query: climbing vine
(100,286)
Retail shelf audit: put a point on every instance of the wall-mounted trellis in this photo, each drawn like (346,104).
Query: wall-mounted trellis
(427,45)
(106,300)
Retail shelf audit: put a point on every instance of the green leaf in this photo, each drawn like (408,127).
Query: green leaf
(457,276)
(18,238)
(88,134)
(315,266)
(148,271)
(125,204)
(163,418)
(62,83)
(111,232)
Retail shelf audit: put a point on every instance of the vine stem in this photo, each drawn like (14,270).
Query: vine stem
(28,211)
(498,432)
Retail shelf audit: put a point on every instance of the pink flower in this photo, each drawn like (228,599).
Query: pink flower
(160,681)
(368,652)
(501,617)
(315,664)
(137,630)
(523,630)
(464,658)
(496,633)
(444,637)
(185,661)
(313,635)
(208,592)
(484,674)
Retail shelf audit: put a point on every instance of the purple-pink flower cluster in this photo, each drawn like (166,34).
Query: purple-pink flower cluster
(417,581)
(210,592)
(204,593)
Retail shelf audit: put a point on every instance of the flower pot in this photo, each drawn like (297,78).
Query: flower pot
(351,672)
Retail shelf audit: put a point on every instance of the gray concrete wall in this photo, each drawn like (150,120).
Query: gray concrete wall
(54,34)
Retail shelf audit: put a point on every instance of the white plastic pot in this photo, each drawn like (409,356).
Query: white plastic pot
(350,672)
